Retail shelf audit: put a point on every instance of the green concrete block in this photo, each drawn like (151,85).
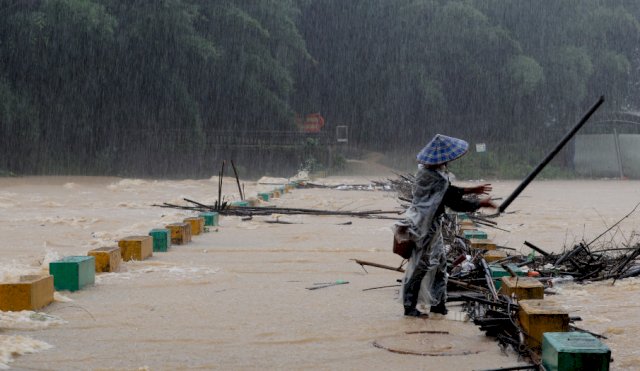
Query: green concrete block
(264,196)
(565,351)
(73,272)
(463,216)
(478,235)
(161,239)
(210,218)
(240,204)
(497,272)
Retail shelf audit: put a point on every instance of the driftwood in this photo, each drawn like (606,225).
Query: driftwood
(536,248)
(363,263)
(235,172)
(255,211)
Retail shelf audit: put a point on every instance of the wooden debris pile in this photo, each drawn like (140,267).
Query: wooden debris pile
(249,211)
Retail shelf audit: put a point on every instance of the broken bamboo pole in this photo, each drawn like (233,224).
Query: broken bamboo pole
(363,263)
(235,172)
(536,248)
(549,157)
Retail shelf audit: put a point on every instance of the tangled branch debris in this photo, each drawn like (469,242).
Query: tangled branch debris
(226,209)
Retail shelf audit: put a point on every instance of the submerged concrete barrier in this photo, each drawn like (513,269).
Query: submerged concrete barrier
(494,255)
(241,203)
(73,272)
(211,218)
(180,233)
(474,234)
(539,316)
(574,351)
(523,288)
(31,292)
(482,244)
(161,239)
(107,258)
(197,225)
(136,247)
(497,272)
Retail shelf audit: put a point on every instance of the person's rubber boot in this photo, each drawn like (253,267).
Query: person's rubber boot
(413,312)
(440,308)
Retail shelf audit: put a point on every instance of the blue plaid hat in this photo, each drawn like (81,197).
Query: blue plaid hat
(442,149)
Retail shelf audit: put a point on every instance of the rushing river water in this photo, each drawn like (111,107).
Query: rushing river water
(235,297)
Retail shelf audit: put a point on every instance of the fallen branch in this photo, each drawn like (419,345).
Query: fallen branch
(363,263)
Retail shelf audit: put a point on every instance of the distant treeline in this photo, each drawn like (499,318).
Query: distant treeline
(137,87)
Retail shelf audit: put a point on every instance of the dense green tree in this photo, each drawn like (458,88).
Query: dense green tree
(152,87)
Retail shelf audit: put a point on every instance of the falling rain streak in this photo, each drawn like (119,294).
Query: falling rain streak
(99,99)
(169,87)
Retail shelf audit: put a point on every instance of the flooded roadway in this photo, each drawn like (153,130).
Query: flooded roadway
(235,297)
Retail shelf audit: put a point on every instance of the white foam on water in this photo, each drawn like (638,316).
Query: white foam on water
(70,185)
(68,221)
(10,273)
(131,205)
(127,185)
(273,181)
(132,269)
(28,320)
(50,204)
(103,238)
(110,238)
(11,346)
(49,256)
(61,298)
(7,201)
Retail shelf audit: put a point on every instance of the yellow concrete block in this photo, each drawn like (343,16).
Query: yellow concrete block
(29,293)
(467,223)
(276,194)
(108,258)
(253,202)
(523,288)
(180,233)
(136,247)
(539,316)
(197,224)
(494,255)
(466,227)
(482,244)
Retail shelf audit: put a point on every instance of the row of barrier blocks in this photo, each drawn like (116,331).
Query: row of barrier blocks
(278,191)
(72,273)
(546,325)
(469,230)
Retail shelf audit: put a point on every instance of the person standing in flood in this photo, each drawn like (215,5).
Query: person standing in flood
(425,279)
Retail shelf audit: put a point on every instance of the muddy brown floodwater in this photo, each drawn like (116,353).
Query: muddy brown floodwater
(235,297)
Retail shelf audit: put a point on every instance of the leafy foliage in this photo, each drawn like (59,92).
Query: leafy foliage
(142,87)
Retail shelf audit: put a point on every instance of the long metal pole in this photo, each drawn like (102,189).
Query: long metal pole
(549,157)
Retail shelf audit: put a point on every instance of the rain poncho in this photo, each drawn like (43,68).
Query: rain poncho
(425,280)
